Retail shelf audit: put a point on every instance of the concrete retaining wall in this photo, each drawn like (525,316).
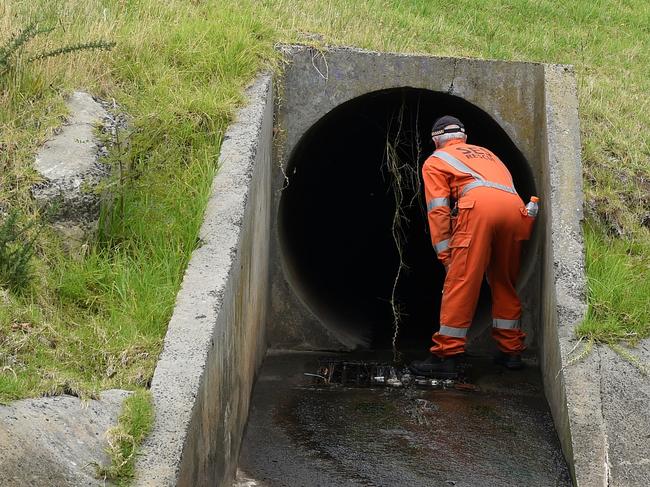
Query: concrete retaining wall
(563,281)
(216,337)
(600,403)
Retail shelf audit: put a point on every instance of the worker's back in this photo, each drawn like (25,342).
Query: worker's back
(481,235)
(480,161)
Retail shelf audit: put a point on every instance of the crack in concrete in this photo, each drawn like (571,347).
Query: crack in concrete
(450,90)
(608,471)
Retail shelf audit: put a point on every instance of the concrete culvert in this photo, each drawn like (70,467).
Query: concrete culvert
(336,222)
(278,264)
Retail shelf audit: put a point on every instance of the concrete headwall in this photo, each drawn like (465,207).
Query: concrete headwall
(216,337)
(316,82)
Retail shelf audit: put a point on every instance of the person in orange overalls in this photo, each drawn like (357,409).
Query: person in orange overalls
(482,235)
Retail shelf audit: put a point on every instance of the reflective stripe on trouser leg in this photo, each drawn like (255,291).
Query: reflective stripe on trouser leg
(448,341)
(451,331)
(508,335)
(446,346)
(505,324)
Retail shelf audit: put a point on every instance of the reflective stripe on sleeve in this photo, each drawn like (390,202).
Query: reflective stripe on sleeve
(441,246)
(450,331)
(505,324)
(456,164)
(436,202)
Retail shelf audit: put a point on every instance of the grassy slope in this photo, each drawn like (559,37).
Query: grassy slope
(179,69)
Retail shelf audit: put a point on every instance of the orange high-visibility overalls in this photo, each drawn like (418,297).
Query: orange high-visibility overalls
(484,237)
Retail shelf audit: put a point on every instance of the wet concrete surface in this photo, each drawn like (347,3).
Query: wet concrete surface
(302,434)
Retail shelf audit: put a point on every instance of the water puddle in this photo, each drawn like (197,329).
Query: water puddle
(498,433)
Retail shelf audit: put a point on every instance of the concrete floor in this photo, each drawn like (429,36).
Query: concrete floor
(300,434)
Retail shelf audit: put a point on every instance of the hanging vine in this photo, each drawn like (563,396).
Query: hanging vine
(401,162)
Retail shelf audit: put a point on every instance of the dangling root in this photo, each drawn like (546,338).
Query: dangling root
(404,178)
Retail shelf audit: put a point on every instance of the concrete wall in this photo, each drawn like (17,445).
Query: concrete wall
(216,337)
(600,403)
(563,281)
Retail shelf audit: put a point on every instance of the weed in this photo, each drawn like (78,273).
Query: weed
(401,161)
(11,51)
(16,251)
(134,424)
(618,278)
(631,358)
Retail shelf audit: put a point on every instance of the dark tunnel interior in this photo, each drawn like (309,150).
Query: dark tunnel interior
(337,212)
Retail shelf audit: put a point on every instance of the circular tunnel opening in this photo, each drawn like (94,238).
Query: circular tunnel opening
(338,225)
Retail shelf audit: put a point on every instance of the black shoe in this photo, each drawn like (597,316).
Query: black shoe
(434,366)
(511,361)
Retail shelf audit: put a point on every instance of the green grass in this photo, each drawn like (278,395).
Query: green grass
(98,322)
(619,289)
(133,426)
(179,69)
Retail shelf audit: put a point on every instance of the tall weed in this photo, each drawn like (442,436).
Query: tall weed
(16,251)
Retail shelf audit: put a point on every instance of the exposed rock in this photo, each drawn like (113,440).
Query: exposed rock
(70,166)
(56,440)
